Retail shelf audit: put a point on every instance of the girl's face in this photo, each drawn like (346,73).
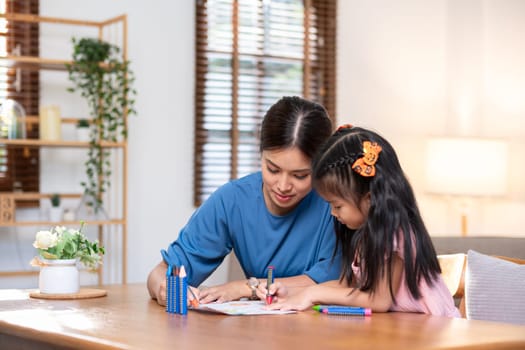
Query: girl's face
(347,212)
(286,175)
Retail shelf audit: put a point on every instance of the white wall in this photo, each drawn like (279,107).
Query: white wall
(402,67)
(394,75)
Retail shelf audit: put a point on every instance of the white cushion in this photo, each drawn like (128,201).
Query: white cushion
(494,289)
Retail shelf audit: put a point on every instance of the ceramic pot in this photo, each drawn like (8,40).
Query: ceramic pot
(59,277)
(83,134)
(55,214)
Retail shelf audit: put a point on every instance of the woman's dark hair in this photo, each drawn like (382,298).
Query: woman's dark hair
(393,212)
(294,121)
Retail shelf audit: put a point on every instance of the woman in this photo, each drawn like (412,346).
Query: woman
(271,217)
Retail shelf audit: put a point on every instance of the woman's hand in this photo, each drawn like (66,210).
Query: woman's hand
(193,297)
(161,293)
(224,292)
(157,283)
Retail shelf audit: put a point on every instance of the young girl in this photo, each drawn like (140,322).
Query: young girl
(389,262)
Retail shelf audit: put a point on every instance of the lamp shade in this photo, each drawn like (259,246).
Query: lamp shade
(466,166)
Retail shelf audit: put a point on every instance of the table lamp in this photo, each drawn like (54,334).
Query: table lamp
(465,168)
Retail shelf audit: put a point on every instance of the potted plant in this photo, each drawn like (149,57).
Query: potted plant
(59,250)
(104,79)
(55,212)
(83,129)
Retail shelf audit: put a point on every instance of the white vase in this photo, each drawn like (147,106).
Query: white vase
(55,214)
(83,134)
(59,277)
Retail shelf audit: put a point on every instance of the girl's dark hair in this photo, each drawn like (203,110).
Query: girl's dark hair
(294,121)
(393,211)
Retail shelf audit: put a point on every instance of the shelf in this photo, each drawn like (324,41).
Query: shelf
(29,272)
(38,63)
(46,143)
(35,63)
(113,28)
(19,273)
(64,223)
(24,17)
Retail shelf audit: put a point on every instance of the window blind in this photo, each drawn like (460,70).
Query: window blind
(250,53)
(19,166)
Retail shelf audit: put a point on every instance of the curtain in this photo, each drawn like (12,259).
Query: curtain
(250,53)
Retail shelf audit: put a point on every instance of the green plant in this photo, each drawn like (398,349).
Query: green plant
(55,200)
(104,80)
(65,243)
(83,123)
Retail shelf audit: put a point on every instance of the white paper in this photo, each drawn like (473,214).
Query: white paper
(240,307)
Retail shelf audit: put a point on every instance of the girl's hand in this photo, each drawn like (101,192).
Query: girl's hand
(277,289)
(298,301)
(224,292)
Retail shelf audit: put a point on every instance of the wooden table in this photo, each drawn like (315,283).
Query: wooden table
(127,318)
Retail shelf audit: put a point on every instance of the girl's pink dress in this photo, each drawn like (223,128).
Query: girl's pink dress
(435,299)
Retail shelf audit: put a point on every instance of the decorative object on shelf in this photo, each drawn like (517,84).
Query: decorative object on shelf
(7,208)
(50,123)
(68,215)
(83,129)
(104,79)
(55,212)
(12,120)
(59,250)
(89,212)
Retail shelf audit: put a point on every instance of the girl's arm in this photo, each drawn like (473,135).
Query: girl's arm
(333,292)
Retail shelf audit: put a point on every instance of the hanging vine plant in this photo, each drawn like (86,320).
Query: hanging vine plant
(104,80)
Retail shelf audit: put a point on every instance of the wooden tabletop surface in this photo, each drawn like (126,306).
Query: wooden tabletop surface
(128,318)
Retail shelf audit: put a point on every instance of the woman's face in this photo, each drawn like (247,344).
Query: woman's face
(347,212)
(286,175)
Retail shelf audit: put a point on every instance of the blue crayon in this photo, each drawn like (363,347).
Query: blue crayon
(321,307)
(341,310)
(170,290)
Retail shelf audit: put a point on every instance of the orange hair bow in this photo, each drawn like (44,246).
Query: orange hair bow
(344,126)
(364,166)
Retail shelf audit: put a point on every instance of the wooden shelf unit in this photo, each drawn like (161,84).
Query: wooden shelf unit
(45,63)
(47,143)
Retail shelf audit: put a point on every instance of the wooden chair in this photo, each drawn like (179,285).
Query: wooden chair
(452,270)
(453,267)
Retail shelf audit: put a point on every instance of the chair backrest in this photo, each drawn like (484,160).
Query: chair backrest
(453,269)
(453,272)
